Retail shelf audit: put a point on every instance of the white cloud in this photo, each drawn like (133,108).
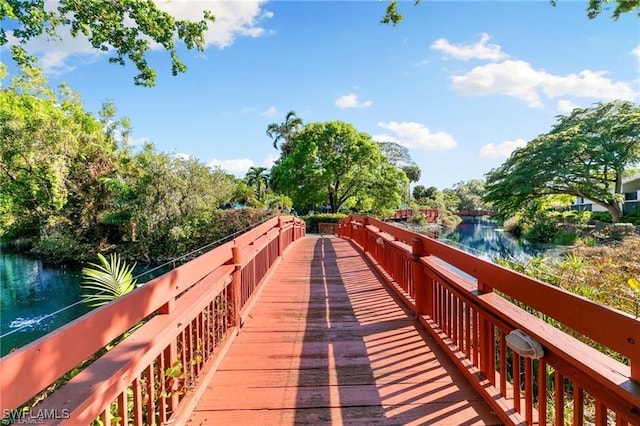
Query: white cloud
(566,106)
(479,50)
(270,160)
(416,135)
(385,138)
(138,141)
(270,112)
(492,151)
(233,19)
(519,79)
(238,166)
(351,101)
(636,52)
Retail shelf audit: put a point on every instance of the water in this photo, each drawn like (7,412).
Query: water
(30,291)
(37,298)
(484,239)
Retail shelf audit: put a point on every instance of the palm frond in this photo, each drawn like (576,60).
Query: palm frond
(107,280)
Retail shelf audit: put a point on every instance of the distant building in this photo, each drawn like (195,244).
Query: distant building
(631,191)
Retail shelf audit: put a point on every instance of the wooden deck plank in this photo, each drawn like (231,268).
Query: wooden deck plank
(329,344)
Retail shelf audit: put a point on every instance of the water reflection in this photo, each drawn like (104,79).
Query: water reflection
(484,239)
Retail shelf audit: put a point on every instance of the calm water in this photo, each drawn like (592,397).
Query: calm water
(36,298)
(483,238)
(29,292)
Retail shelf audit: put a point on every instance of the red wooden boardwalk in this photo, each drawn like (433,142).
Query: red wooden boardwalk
(328,343)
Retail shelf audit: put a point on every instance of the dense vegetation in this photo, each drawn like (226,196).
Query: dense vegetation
(70,182)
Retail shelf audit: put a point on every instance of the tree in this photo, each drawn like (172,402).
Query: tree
(332,163)
(470,195)
(52,155)
(413,175)
(124,27)
(594,8)
(257,178)
(285,132)
(396,154)
(423,194)
(585,154)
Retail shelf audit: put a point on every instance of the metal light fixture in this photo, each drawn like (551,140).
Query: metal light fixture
(380,241)
(524,345)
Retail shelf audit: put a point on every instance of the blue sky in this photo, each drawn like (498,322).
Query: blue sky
(461,84)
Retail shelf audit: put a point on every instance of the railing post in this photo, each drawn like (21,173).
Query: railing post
(421,282)
(635,370)
(365,236)
(170,354)
(236,282)
(281,236)
(487,340)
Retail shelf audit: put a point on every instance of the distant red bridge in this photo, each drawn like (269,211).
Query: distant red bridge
(431,215)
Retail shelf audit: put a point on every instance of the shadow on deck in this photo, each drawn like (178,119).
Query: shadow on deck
(329,343)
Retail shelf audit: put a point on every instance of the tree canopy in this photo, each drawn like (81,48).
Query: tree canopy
(285,132)
(594,9)
(69,183)
(125,28)
(586,154)
(332,163)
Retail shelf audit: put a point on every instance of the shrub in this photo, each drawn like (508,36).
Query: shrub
(313,220)
(61,248)
(565,238)
(541,231)
(601,217)
(418,218)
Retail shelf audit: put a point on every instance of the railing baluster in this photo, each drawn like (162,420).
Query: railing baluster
(516,381)
(528,390)
(559,397)
(542,392)
(137,402)
(578,405)
(162,400)
(503,364)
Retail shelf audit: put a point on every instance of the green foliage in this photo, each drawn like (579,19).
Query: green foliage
(285,132)
(258,178)
(601,217)
(396,154)
(313,220)
(594,8)
(565,238)
(124,28)
(107,280)
(332,163)
(470,195)
(418,218)
(52,156)
(584,155)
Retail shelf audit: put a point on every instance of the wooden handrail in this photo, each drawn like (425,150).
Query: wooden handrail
(471,321)
(196,336)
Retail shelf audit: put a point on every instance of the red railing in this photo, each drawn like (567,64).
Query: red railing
(430,214)
(176,330)
(470,316)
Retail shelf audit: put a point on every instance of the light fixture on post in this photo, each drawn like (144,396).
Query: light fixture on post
(380,241)
(524,345)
